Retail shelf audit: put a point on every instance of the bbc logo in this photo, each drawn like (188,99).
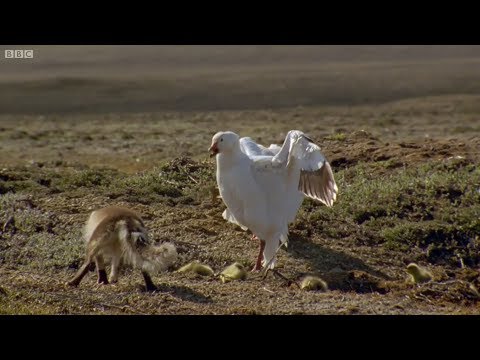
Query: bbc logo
(18,54)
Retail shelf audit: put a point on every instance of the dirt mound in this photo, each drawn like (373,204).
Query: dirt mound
(361,146)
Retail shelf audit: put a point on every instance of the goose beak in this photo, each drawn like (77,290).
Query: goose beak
(213,150)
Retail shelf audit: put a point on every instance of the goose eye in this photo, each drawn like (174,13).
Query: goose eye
(221,140)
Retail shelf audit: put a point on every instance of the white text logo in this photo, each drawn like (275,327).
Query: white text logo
(18,54)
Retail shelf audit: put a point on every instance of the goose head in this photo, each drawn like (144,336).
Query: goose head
(222,142)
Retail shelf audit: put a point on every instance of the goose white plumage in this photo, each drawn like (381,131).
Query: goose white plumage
(263,188)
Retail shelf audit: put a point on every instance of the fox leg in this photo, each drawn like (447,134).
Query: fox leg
(102,274)
(115,268)
(87,265)
(148,282)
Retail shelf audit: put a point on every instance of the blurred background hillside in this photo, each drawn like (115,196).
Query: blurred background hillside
(93,79)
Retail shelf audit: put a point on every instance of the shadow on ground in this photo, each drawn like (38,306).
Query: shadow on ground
(341,271)
(184,293)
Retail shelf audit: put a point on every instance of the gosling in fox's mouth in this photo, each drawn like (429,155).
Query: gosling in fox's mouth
(119,234)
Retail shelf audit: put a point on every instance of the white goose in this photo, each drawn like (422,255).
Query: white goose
(263,188)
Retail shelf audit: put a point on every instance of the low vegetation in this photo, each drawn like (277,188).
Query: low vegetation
(402,198)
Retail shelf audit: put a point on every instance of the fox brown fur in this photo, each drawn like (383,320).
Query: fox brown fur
(119,234)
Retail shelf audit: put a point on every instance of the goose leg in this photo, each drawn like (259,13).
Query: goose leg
(258,264)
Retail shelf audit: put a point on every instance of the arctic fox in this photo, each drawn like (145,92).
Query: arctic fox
(119,234)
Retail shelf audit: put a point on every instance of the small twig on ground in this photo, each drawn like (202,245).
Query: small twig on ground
(281,276)
(185,243)
(10,221)
(422,297)
(171,182)
(191,178)
(428,284)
